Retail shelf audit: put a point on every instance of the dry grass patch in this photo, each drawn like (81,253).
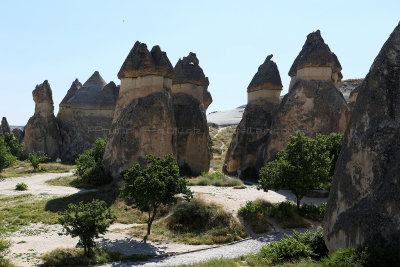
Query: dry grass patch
(22,168)
(215,179)
(195,223)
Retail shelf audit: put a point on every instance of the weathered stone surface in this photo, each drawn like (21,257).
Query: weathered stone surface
(4,127)
(141,62)
(267,77)
(190,79)
(19,135)
(363,204)
(144,127)
(42,132)
(315,53)
(349,89)
(314,104)
(193,153)
(143,120)
(252,133)
(189,90)
(246,147)
(311,107)
(316,62)
(86,114)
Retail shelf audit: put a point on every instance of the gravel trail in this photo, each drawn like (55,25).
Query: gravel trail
(249,246)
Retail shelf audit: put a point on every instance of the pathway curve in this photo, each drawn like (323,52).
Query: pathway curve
(245,247)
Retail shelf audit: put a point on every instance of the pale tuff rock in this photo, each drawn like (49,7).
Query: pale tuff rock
(85,114)
(188,88)
(363,205)
(143,121)
(42,132)
(247,142)
(313,104)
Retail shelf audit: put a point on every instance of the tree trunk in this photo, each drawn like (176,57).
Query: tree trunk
(298,199)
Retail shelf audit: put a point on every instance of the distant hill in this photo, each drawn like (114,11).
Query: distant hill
(20,127)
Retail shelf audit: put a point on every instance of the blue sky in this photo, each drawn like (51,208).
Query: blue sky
(63,40)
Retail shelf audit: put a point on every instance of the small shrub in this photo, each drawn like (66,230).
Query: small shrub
(87,221)
(4,246)
(6,158)
(295,247)
(89,165)
(313,211)
(21,187)
(242,186)
(35,158)
(14,147)
(369,255)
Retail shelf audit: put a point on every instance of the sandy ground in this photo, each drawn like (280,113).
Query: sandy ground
(37,186)
(233,199)
(36,239)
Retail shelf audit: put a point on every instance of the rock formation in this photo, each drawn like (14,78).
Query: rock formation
(4,127)
(349,89)
(85,114)
(42,132)
(19,135)
(313,104)
(144,120)
(363,205)
(190,99)
(252,131)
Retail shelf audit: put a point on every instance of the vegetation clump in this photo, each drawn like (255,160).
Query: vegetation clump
(14,147)
(294,247)
(6,158)
(35,158)
(257,214)
(4,246)
(215,179)
(306,164)
(87,221)
(21,187)
(89,165)
(77,257)
(154,185)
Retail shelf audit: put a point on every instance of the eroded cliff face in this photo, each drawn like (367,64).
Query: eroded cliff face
(246,147)
(190,95)
(313,104)
(363,204)
(143,121)
(85,114)
(42,132)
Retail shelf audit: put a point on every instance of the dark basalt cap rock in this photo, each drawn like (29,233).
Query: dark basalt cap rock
(141,62)
(43,93)
(315,53)
(266,77)
(4,127)
(74,87)
(187,70)
(95,81)
(94,93)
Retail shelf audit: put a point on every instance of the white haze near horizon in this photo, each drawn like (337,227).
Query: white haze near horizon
(59,41)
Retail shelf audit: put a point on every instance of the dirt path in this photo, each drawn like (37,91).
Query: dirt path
(223,145)
(37,185)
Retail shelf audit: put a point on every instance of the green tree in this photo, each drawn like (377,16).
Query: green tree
(154,185)
(35,158)
(90,164)
(6,158)
(333,144)
(87,221)
(12,144)
(301,167)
